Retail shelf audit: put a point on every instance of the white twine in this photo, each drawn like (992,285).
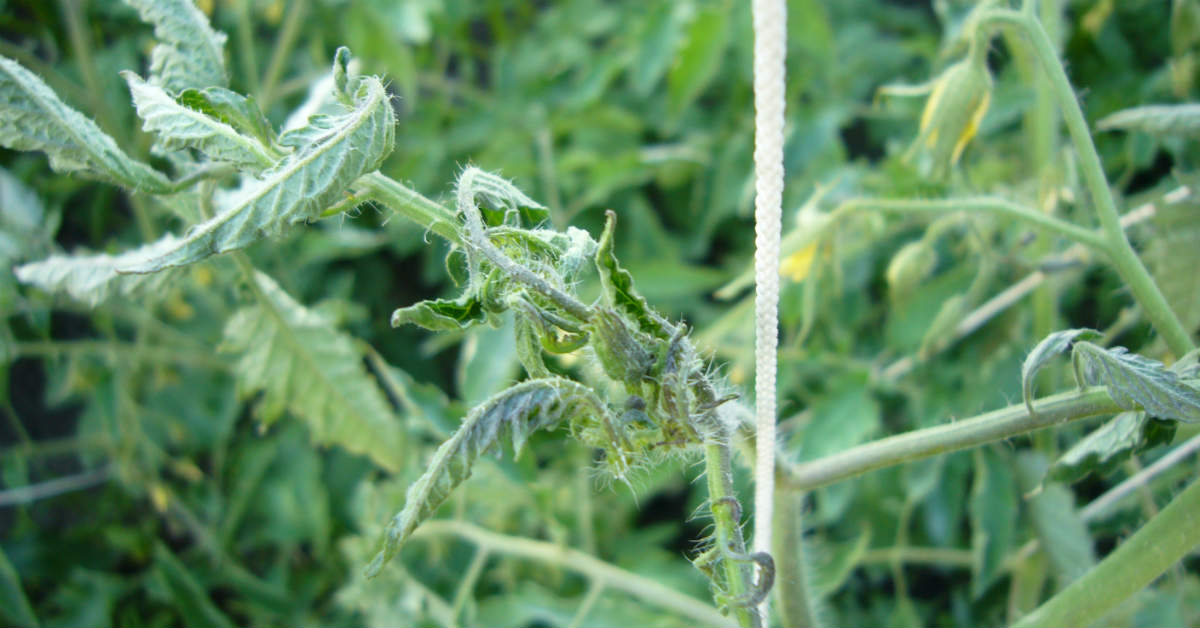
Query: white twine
(770,46)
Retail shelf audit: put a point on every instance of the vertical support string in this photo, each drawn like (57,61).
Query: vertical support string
(770,47)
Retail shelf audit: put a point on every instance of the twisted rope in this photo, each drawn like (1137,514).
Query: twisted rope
(770,46)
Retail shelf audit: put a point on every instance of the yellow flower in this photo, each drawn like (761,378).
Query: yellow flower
(797,265)
(957,104)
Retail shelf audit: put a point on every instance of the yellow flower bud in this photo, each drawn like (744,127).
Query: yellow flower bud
(957,104)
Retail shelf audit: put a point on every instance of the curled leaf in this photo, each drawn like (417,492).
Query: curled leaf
(1054,344)
(516,413)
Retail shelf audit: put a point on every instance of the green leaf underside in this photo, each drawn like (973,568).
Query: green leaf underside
(33,118)
(442,314)
(1156,119)
(189,53)
(302,364)
(1107,446)
(296,190)
(180,127)
(1139,383)
(516,412)
(1063,533)
(618,287)
(1054,344)
(500,199)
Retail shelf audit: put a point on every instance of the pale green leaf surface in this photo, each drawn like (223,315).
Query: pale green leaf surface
(1064,535)
(699,58)
(189,52)
(33,118)
(1138,383)
(180,127)
(1156,119)
(296,190)
(303,365)
(993,510)
(516,413)
(1054,344)
(1173,257)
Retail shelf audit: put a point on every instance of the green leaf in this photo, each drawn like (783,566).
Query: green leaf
(1107,446)
(302,364)
(699,59)
(993,511)
(32,117)
(15,609)
(1177,120)
(515,413)
(1064,536)
(1173,257)
(443,314)
(180,127)
(618,289)
(296,190)
(1054,344)
(189,52)
(1138,383)
(93,279)
(238,111)
(189,597)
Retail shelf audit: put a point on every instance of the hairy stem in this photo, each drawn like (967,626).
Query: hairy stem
(646,589)
(1117,247)
(410,204)
(1141,558)
(739,576)
(962,434)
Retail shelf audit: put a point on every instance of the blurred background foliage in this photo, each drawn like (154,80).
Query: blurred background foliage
(139,487)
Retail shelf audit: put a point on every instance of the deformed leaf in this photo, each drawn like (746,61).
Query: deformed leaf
(189,52)
(618,289)
(1111,444)
(501,202)
(32,117)
(1182,120)
(296,190)
(442,314)
(516,412)
(1054,344)
(180,127)
(1138,383)
(303,365)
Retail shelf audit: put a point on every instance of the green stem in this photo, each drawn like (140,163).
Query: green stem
(410,204)
(962,434)
(1120,252)
(796,597)
(646,589)
(739,575)
(1162,542)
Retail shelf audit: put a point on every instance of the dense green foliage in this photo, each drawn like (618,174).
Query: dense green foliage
(234,346)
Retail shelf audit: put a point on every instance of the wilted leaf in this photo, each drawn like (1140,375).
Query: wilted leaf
(442,314)
(514,413)
(618,289)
